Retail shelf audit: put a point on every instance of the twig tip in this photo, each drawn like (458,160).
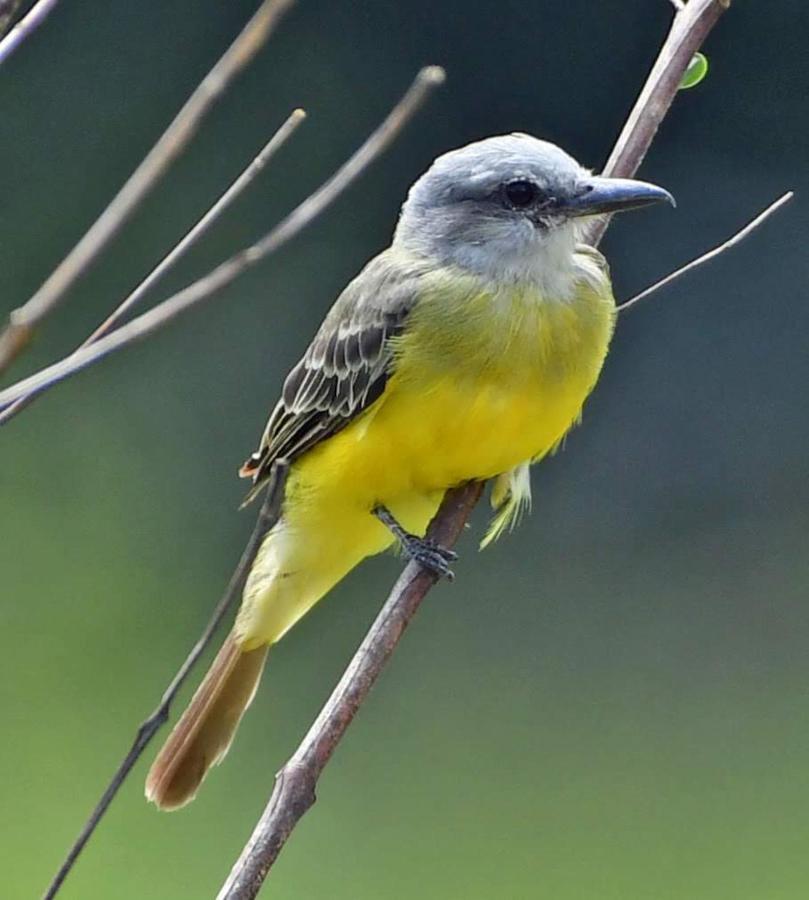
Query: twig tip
(298,115)
(433,75)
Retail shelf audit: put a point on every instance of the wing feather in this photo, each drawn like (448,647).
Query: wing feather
(345,368)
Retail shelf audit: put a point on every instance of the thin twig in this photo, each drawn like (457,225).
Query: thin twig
(710,254)
(294,790)
(24,320)
(156,318)
(268,514)
(232,193)
(27,24)
(691,26)
(239,185)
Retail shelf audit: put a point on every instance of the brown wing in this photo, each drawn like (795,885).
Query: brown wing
(344,369)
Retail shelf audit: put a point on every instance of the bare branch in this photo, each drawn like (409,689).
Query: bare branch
(23,321)
(27,24)
(235,190)
(156,318)
(267,516)
(238,186)
(710,254)
(691,26)
(294,790)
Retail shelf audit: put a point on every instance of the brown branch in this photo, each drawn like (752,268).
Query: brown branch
(205,287)
(27,24)
(24,320)
(268,514)
(135,296)
(737,238)
(294,790)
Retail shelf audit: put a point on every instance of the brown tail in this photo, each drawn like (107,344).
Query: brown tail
(205,731)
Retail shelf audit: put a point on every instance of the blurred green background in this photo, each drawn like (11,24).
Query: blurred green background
(612,703)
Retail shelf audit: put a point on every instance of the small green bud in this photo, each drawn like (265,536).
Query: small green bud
(696,71)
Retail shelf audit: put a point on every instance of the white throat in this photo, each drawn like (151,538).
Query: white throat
(546,259)
(515,253)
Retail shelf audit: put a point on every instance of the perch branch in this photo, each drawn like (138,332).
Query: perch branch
(268,514)
(737,238)
(238,187)
(426,80)
(294,790)
(27,24)
(24,320)
(149,322)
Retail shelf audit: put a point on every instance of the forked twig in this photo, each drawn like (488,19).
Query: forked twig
(157,317)
(238,187)
(426,80)
(268,514)
(294,790)
(23,321)
(737,238)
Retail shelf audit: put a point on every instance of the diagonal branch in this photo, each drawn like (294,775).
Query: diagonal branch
(295,784)
(267,516)
(737,238)
(692,24)
(236,189)
(27,24)
(205,287)
(24,321)
(294,790)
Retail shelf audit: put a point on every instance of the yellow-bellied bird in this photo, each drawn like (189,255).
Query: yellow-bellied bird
(463,351)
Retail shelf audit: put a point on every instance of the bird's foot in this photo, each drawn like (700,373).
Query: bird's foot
(430,554)
(425,551)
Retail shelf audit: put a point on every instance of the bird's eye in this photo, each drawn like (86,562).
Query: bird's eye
(521,193)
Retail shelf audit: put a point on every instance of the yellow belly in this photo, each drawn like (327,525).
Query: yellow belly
(474,393)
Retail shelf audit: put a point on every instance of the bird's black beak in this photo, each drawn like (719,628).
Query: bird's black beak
(608,195)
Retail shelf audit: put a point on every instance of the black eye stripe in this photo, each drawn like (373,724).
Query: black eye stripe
(521,193)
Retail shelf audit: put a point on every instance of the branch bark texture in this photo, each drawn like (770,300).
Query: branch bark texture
(294,790)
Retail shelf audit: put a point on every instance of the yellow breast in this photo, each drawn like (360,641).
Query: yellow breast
(483,381)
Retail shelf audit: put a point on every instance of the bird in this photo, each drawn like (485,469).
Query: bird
(464,351)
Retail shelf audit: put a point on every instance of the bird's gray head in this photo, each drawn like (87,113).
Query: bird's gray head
(510,207)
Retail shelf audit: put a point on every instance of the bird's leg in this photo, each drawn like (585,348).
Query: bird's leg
(425,551)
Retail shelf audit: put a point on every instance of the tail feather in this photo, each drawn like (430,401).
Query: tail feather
(205,731)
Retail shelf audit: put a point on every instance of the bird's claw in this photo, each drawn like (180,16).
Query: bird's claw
(431,555)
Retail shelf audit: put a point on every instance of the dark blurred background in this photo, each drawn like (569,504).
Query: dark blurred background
(613,702)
